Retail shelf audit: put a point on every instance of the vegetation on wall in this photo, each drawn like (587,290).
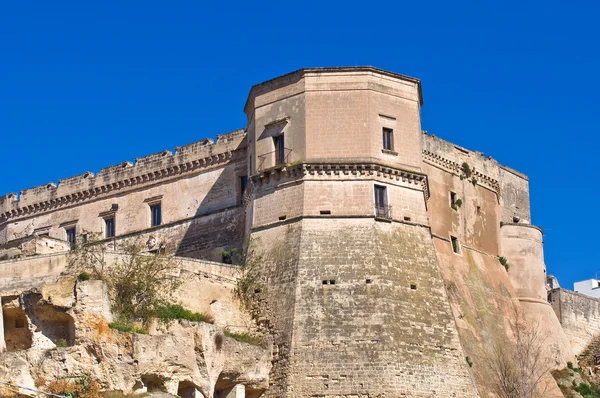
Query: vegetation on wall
(465,171)
(504,262)
(80,387)
(245,338)
(248,286)
(457,204)
(140,284)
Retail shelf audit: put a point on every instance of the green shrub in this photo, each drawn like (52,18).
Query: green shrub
(127,328)
(83,276)
(587,390)
(504,262)
(169,312)
(469,362)
(466,169)
(245,338)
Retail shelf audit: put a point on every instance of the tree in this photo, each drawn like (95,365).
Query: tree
(138,281)
(522,369)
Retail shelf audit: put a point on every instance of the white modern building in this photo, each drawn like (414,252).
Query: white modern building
(589,287)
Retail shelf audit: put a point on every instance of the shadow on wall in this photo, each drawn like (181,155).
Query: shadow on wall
(219,226)
(16,329)
(55,324)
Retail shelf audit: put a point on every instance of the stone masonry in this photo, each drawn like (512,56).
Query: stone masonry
(375,244)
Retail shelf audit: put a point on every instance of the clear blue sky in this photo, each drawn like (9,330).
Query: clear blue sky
(84,86)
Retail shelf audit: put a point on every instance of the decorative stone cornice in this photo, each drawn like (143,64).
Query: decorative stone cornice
(159,168)
(299,170)
(455,168)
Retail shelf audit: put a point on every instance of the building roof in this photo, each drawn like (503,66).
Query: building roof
(301,72)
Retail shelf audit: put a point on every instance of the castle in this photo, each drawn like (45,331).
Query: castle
(377,244)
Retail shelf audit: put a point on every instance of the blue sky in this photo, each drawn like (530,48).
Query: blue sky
(84,86)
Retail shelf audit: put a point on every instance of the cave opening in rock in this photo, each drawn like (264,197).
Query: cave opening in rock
(187,389)
(224,387)
(16,329)
(153,383)
(54,324)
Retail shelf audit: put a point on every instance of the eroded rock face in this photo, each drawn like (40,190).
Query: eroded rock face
(185,359)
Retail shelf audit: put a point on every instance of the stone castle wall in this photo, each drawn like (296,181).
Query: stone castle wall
(357,303)
(198,187)
(579,316)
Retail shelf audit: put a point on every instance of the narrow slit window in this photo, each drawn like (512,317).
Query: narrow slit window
(388,139)
(279,143)
(243,184)
(109,227)
(455,244)
(155,214)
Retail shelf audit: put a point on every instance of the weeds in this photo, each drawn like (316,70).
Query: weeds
(245,338)
(170,312)
(127,328)
(504,262)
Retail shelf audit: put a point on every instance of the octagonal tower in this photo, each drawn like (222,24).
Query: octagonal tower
(348,271)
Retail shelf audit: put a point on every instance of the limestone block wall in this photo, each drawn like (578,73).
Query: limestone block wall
(193,185)
(360,309)
(511,187)
(346,112)
(475,222)
(579,316)
(333,114)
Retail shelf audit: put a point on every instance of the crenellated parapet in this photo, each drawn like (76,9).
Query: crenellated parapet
(510,186)
(125,176)
(450,157)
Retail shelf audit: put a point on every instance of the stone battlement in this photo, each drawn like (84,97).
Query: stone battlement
(127,175)
(450,157)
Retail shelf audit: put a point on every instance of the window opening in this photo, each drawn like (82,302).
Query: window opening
(155,214)
(109,227)
(71,236)
(455,244)
(388,139)
(243,183)
(382,210)
(279,143)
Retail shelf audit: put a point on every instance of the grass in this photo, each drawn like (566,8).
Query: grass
(171,312)
(127,328)
(245,338)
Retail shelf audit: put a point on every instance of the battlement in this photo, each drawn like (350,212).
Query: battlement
(145,170)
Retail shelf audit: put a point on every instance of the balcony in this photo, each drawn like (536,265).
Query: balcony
(383,212)
(273,159)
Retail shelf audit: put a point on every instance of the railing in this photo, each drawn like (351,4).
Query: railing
(273,159)
(383,212)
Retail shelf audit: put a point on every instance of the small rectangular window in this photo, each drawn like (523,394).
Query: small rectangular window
(155,214)
(388,139)
(382,210)
(71,235)
(109,227)
(279,144)
(455,244)
(452,199)
(243,184)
